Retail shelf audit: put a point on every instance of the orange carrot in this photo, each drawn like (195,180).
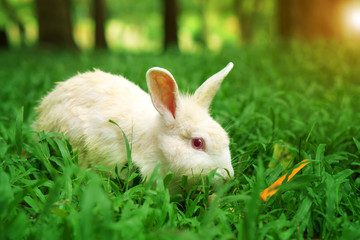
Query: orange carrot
(268,192)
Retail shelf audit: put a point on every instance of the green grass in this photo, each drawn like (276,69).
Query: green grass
(304,95)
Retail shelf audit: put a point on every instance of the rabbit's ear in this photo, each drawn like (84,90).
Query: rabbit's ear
(164,92)
(206,92)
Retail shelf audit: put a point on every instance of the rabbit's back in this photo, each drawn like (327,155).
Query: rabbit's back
(82,106)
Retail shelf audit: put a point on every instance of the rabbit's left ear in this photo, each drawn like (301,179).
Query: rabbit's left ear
(164,92)
(206,92)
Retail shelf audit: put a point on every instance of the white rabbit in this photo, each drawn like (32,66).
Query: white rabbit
(178,133)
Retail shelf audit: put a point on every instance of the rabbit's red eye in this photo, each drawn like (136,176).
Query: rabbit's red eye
(198,143)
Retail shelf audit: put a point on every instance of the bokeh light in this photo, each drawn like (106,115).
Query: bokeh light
(352,18)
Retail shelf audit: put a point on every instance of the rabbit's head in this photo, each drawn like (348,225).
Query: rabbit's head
(191,142)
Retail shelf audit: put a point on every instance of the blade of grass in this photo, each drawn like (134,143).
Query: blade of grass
(357,143)
(18,129)
(128,155)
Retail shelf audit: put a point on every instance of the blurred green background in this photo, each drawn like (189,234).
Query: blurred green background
(189,25)
(295,87)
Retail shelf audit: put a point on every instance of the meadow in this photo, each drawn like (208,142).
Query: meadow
(303,98)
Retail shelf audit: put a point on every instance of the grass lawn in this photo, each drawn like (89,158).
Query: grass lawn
(303,97)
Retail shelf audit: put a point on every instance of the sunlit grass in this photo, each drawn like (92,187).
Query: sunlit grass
(303,95)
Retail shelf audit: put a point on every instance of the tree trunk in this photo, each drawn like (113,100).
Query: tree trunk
(246,20)
(11,13)
(4,43)
(55,25)
(308,19)
(204,30)
(170,24)
(99,8)
(285,18)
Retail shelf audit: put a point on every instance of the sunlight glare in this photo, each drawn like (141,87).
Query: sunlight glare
(353,18)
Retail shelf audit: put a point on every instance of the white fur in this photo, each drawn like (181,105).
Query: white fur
(82,106)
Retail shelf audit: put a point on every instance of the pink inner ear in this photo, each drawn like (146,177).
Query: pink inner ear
(163,88)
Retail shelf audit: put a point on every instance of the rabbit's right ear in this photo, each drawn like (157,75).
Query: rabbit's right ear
(206,92)
(164,92)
